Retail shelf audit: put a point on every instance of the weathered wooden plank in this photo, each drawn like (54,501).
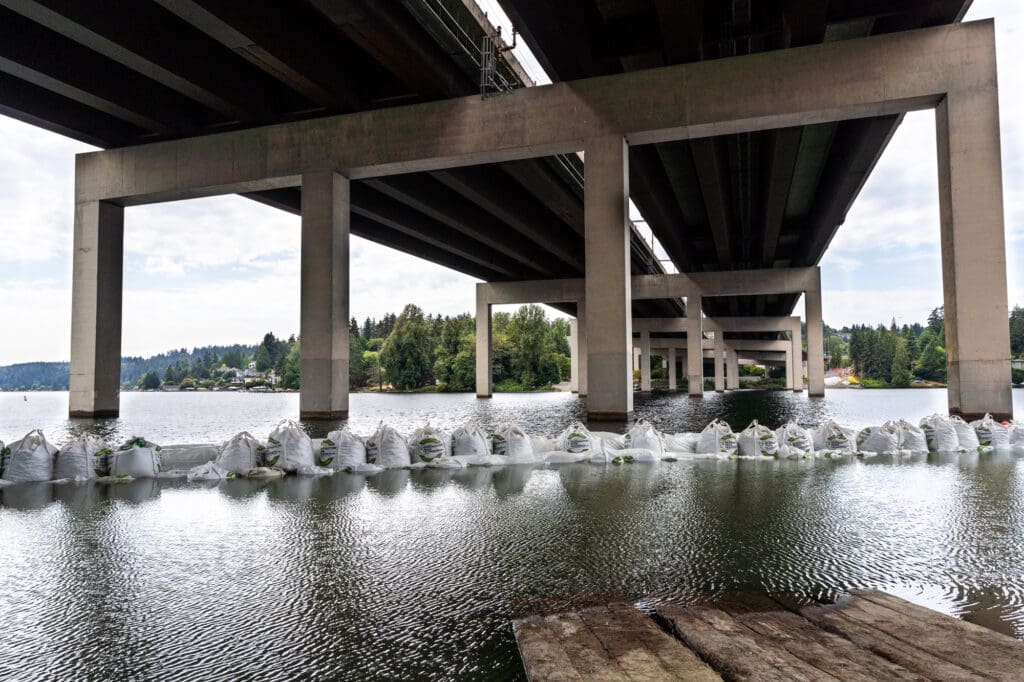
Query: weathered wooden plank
(829,652)
(586,651)
(734,650)
(966,648)
(823,650)
(883,644)
(676,659)
(619,637)
(543,656)
(995,643)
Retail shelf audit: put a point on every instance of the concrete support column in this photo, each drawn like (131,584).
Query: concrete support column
(324,296)
(815,346)
(609,327)
(719,361)
(672,384)
(795,367)
(732,369)
(574,356)
(974,251)
(96,284)
(581,331)
(645,362)
(484,374)
(791,364)
(694,350)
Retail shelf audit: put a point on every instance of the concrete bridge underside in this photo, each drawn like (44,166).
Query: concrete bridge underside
(950,69)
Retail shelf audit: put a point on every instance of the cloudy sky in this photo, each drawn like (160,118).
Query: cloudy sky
(225,269)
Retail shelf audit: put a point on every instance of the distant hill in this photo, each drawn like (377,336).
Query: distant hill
(34,376)
(53,376)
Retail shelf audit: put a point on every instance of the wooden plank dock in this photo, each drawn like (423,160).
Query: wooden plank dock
(865,635)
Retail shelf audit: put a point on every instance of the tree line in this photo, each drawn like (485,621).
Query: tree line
(896,355)
(405,352)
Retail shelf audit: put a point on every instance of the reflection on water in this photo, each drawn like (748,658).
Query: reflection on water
(416,574)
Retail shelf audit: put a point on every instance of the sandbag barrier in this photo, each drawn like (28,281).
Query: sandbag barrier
(289,450)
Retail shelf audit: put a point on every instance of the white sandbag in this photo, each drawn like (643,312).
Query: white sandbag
(541,444)
(623,456)
(138,458)
(510,439)
(682,442)
(609,440)
(289,448)
(832,437)
(795,442)
(211,471)
(643,436)
(758,441)
(315,471)
(965,433)
(29,459)
(342,449)
(83,458)
(263,472)
(388,447)
(577,438)
(564,457)
(717,438)
(912,438)
(429,444)
(240,454)
(881,440)
(939,433)
(470,441)
(990,432)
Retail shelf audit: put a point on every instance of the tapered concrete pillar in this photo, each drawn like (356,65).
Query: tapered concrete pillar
(974,252)
(719,362)
(608,292)
(672,383)
(645,362)
(96,283)
(815,347)
(732,369)
(694,351)
(484,373)
(324,296)
(574,357)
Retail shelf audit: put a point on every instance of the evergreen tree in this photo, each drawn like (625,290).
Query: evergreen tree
(931,364)
(262,358)
(900,372)
(292,369)
(1017,331)
(405,355)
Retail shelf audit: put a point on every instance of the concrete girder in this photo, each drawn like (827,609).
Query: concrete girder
(874,76)
(197,73)
(444,205)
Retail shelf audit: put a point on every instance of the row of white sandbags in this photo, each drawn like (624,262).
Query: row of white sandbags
(33,458)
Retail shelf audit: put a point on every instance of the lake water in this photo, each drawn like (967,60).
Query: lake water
(416,575)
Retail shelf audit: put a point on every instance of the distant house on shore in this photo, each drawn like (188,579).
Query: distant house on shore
(1017,364)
